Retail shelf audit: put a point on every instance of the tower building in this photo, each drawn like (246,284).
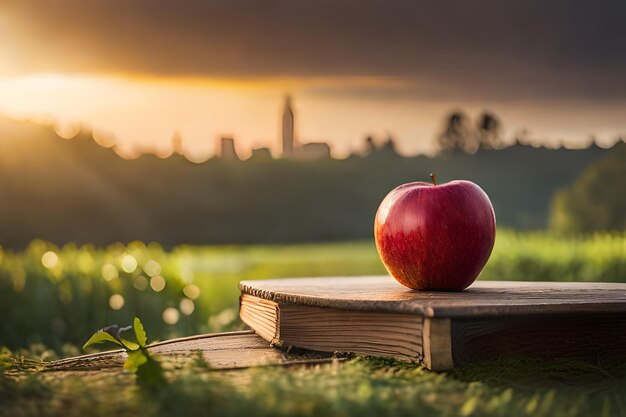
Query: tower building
(225,149)
(288,129)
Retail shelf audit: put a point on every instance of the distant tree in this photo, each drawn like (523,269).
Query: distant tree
(389,146)
(458,134)
(370,145)
(596,201)
(384,148)
(488,129)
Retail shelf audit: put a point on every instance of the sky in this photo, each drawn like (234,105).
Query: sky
(139,71)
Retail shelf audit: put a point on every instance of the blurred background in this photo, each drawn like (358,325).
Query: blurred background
(153,154)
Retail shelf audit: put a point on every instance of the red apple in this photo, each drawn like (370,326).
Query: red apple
(435,237)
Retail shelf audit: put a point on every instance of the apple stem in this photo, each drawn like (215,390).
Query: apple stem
(432,177)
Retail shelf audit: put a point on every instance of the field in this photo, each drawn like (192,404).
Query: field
(52,299)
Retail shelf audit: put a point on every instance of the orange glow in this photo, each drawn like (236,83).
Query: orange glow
(141,114)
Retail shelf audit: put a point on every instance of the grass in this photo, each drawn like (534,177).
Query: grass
(362,387)
(52,299)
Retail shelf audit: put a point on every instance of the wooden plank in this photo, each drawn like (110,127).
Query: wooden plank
(582,336)
(437,344)
(483,298)
(233,350)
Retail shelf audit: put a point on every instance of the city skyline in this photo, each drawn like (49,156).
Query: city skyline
(250,116)
(225,146)
(288,143)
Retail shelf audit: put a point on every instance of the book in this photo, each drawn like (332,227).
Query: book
(223,351)
(491,319)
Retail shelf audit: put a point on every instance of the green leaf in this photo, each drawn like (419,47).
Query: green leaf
(102,336)
(129,345)
(5,358)
(112,334)
(140,333)
(135,359)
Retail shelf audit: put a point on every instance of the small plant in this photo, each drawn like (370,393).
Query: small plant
(148,369)
(5,359)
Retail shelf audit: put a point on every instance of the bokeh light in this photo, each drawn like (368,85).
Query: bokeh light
(109,272)
(116,301)
(67,130)
(170,315)
(152,268)
(186,306)
(129,264)
(157,283)
(49,259)
(222,319)
(140,282)
(191,291)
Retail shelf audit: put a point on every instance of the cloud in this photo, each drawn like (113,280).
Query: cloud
(441,49)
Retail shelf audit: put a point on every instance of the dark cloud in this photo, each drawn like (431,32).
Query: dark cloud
(479,49)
